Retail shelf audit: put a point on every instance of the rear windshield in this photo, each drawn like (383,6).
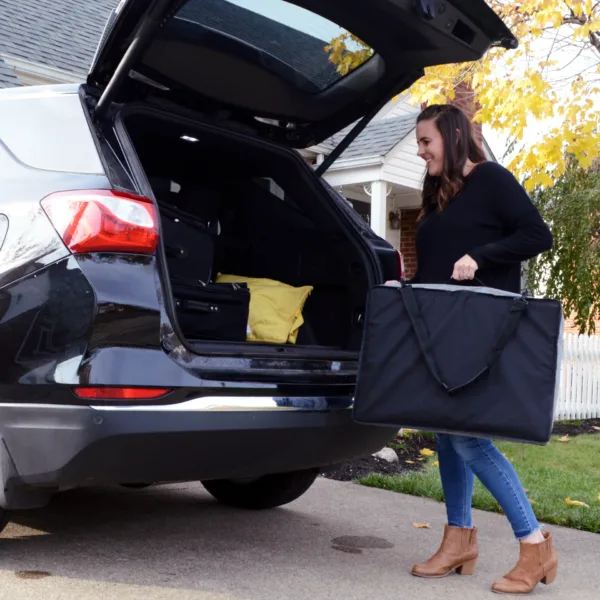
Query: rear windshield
(293,35)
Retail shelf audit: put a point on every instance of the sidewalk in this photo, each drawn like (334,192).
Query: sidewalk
(149,544)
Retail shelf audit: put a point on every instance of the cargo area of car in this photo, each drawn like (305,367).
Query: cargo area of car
(259,215)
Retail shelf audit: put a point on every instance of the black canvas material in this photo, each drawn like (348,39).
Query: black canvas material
(216,311)
(469,361)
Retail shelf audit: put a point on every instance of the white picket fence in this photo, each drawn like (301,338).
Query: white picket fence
(579,396)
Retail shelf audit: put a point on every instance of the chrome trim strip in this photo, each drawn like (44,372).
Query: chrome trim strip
(240,403)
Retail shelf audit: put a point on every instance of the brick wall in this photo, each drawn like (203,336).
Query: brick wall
(570,327)
(464,96)
(408,229)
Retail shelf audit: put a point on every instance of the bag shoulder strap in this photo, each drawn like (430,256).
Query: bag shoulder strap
(508,329)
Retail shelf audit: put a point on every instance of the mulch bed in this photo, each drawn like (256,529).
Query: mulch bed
(408,448)
(577,427)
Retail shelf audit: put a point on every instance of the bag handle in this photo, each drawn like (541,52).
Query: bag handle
(509,327)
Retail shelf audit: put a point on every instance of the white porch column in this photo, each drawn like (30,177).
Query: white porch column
(379,208)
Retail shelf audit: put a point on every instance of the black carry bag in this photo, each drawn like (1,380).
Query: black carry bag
(213,311)
(189,245)
(463,360)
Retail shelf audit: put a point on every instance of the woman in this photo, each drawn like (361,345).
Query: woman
(477,225)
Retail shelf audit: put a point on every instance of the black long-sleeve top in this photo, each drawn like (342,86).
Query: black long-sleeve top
(492,220)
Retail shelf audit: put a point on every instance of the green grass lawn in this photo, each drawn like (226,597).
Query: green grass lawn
(551,474)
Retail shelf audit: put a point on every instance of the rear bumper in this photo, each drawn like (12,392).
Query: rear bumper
(58,446)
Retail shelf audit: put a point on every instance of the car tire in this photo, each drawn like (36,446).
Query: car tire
(263,493)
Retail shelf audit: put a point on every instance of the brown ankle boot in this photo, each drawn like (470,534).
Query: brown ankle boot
(537,562)
(458,552)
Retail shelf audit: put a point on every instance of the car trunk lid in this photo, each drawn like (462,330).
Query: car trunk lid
(261,65)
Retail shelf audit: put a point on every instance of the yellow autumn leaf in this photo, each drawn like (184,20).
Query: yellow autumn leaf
(421,526)
(409,462)
(576,503)
(437,464)
(427,452)
(596,428)
(531,501)
(564,438)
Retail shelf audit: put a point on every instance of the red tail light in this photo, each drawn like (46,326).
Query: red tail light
(120,393)
(103,221)
(400,264)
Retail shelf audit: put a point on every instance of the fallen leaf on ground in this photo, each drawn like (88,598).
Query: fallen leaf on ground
(437,464)
(421,526)
(409,462)
(576,503)
(526,491)
(564,438)
(427,452)
(596,428)
(531,501)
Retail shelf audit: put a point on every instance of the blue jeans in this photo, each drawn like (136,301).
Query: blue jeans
(463,457)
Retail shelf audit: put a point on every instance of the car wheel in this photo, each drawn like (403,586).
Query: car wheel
(265,492)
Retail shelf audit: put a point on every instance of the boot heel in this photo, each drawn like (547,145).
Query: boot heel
(467,568)
(550,576)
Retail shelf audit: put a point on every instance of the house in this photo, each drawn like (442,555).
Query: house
(54,41)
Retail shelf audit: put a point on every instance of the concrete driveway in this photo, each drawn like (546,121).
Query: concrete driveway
(174,542)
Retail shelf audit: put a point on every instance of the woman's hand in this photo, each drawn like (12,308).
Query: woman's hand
(465,269)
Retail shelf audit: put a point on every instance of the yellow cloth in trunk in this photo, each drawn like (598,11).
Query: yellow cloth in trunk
(275,308)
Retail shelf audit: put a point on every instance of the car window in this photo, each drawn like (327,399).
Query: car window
(3,229)
(294,35)
(47,129)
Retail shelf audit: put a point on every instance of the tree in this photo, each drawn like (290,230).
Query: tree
(553,77)
(571,270)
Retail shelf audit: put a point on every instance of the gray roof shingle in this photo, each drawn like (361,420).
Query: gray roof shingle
(56,33)
(8,78)
(378,138)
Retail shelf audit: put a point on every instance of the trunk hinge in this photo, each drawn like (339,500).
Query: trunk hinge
(362,124)
(140,42)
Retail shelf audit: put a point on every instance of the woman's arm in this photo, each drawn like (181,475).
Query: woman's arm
(528,233)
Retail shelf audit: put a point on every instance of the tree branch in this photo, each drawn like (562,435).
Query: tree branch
(595,40)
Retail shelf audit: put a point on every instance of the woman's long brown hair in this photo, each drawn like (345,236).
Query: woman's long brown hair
(459,145)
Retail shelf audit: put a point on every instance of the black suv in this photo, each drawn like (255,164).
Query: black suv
(124,199)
